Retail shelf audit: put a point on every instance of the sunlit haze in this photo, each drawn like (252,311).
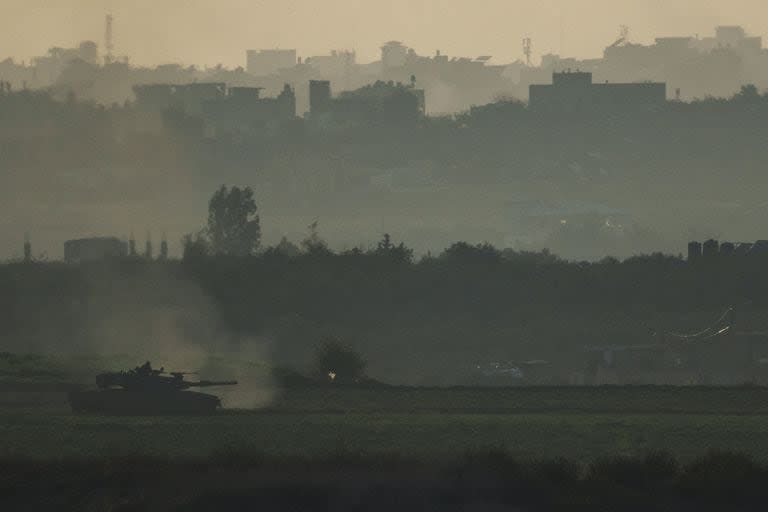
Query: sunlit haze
(207,32)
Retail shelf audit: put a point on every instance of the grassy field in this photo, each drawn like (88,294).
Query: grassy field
(398,449)
(516,400)
(579,423)
(428,436)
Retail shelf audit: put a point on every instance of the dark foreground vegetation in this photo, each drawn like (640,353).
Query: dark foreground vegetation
(484,480)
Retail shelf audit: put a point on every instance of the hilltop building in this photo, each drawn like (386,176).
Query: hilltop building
(575,91)
(394,54)
(50,66)
(269,62)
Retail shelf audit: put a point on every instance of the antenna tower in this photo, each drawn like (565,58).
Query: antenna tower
(527,50)
(624,32)
(108,41)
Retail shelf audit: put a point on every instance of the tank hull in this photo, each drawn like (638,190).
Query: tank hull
(137,403)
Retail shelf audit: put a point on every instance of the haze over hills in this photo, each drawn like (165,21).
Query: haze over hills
(96,152)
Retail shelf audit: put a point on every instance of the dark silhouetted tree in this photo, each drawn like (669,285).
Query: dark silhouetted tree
(338,361)
(464,253)
(233,224)
(748,94)
(398,253)
(287,248)
(195,246)
(313,244)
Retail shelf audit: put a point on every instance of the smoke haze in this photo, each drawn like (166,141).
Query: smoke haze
(210,32)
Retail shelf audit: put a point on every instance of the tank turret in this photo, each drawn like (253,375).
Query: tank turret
(144,390)
(145,378)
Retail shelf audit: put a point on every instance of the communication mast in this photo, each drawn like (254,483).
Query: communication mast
(108,41)
(624,32)
(623,37)
(527,50)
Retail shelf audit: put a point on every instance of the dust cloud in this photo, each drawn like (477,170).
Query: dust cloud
(155,313)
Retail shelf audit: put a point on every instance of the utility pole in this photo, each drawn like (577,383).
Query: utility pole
(27,249)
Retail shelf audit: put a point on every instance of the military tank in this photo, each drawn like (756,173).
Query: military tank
(146,391)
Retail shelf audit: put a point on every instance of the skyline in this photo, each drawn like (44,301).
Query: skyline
(205,36)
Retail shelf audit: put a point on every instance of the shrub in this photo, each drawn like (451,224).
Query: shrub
(339,361)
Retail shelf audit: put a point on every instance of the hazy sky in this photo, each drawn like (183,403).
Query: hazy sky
(218,31)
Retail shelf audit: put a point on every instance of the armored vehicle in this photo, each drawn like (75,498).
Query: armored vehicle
(146,391)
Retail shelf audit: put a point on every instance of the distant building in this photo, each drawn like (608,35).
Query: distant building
(394,54)
(243,109)
(50,66)
(712,248)
(674,45)
(694,251)
(225,109)
(735,37)
(575,91)
(269,62)
(378,102)
(187,97)
(94,249)
(319,96)
(155,97)
(339,63)
(194,96)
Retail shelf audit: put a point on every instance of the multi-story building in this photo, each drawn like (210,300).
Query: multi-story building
(94,249)
(269,62)
(575,91)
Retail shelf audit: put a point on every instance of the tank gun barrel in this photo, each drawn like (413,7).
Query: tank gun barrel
(208,383)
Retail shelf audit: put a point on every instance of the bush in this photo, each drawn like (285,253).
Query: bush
(339,361)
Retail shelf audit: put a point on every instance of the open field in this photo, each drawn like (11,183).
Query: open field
(750,400)
(421,436)
(580,423)
(382,448)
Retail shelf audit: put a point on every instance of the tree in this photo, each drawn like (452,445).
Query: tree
(338,361)
(464,253)
(287,248)
(748,94)
(313,244)
(398,253)
(196,247)
(233,225)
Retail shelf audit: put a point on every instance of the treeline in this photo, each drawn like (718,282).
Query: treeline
(418,321)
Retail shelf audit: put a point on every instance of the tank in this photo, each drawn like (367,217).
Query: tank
(146,391)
